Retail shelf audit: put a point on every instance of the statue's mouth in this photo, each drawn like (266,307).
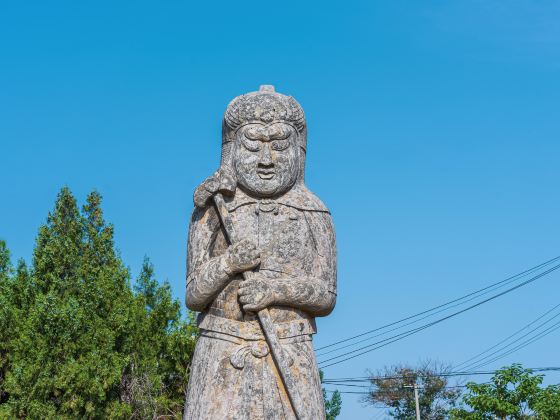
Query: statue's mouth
(266,173)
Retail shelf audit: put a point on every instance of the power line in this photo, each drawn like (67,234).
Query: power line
(347,385)
(382,343)
(369,386)
(400,336)
(386,392)
(443,374)
(526,343)
(348,392)
(379,415)
(475,360)
(500,283)
(336,349)
(466,362)
(340,381)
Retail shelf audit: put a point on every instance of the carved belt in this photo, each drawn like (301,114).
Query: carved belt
(253,340)
(251,330)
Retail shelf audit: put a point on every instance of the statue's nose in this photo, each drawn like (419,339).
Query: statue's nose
(267,157)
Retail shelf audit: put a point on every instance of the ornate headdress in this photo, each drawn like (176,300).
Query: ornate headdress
(266,106)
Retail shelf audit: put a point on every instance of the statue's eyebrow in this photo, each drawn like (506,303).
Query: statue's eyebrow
(268,133)
(255,133)
(282,134)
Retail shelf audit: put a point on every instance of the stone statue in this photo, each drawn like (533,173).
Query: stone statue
(282,265)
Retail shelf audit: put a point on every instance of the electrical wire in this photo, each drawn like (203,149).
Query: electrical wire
(382,343)
(443,374)
(475,360)
(476,292)
(387,392)
(526,343)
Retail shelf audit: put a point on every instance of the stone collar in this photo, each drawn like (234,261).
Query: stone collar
(298,197)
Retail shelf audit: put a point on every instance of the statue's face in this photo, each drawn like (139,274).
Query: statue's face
(266,158)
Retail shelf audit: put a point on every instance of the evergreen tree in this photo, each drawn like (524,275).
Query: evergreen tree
(14,298)
(333,405)
(74,333)
(156,380)
(6,314)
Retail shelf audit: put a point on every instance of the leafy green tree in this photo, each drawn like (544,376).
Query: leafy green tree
(333,405)
(77,334)
(71,348)
(546,404)
(6,314)
(156,379)
(392,387)
(14,295)
(513,393)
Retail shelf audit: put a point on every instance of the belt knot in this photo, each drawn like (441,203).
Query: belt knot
(258,349)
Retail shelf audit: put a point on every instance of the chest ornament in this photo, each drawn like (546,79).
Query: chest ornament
(267,206)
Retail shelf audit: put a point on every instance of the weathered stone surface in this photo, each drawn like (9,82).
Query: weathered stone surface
(285,238)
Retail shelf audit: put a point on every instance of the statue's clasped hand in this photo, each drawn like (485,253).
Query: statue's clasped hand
(256,293)
(242,256)
(222,181)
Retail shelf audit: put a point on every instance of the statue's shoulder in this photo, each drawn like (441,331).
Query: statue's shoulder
(300,197)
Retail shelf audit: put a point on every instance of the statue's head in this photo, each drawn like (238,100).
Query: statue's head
(264,137)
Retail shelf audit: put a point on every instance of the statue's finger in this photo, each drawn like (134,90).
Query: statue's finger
(249,300)
(250,308)
(247,284)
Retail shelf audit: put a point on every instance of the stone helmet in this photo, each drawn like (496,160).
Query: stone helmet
(264,106)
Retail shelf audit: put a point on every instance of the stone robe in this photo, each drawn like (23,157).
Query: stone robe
(233,375)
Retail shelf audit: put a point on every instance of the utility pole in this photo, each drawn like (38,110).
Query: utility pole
(417,401)
(415,386)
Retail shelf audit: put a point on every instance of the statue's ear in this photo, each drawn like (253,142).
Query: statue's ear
(227,154)
(301,165)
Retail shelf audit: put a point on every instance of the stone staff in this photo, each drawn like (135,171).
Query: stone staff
(280,358)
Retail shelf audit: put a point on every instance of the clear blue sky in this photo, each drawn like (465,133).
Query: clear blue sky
(434,137)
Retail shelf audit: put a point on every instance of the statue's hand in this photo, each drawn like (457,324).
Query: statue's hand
(256,293)
(222,181)
(242,256)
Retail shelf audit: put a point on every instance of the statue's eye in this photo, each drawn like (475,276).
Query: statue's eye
(280,144)
(251,145)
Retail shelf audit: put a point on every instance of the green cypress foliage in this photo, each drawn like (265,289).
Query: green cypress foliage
(333,405)
(155,381)
(78,342)
(6,315)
